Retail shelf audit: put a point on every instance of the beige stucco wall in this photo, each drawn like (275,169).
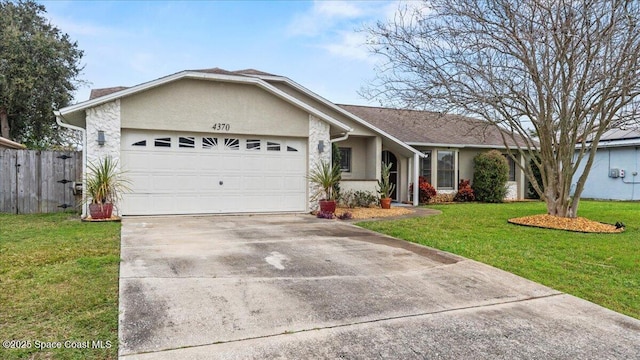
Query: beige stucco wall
(197,105)
(359,185)
(359,158)
(358,130)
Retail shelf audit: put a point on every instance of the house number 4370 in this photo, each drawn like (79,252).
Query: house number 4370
(221,127)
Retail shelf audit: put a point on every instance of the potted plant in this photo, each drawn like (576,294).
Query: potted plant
(326,176)
(104,186)
(386,187)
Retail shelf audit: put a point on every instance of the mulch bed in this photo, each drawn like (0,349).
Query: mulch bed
(578,224)
(112,218)
(369,213)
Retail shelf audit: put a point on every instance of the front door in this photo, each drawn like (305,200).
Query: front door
(388,157)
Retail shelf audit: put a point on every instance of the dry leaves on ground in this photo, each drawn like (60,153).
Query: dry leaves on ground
(576,224)
(368,213)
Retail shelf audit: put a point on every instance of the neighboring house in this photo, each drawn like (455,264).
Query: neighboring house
(9,144)
(614,173)
(449,144)
(216,141)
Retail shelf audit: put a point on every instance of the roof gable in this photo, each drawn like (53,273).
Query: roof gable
(75,114)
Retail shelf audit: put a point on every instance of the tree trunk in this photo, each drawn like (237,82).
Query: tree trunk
(4,123)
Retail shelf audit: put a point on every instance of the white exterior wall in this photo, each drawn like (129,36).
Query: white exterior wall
(600,186)
(359,185)
(512,191)
(105,117)
(318,131)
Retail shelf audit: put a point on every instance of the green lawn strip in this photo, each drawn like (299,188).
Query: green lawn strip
(58,282)
(602,268)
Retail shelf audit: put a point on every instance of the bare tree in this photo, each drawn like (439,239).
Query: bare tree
(553,74)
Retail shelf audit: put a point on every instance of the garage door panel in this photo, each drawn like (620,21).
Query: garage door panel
(174,180)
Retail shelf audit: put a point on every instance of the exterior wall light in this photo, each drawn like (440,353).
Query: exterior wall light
(101,139)
(321,146)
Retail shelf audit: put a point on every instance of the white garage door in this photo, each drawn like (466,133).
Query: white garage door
(206,173)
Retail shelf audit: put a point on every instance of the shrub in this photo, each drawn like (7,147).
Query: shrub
(345,216)
(465,192)
(324,215)
(359,198)
(427,192)
(491,172)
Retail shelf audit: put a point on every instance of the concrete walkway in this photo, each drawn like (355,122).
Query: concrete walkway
(296,287)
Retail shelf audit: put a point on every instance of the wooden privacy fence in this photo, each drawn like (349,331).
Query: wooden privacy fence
(38,181)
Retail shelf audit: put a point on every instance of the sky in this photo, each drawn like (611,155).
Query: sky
(318,44)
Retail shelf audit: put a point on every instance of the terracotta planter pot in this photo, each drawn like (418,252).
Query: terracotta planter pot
(100,211)
(328,206)
(385,203)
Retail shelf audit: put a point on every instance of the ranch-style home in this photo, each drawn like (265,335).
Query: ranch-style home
(217,141)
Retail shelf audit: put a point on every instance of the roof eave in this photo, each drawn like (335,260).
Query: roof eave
(473,146)
(340,110)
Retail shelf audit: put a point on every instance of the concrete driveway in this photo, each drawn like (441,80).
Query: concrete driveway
(296,287)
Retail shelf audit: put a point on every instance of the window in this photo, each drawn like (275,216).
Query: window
(253,144)
(273,146)
(162,142)
(140,143)
(292,149)
(209,143)
(187,142)
(446,170)
(425,168)
(231,144)
(512,167)
(345,159)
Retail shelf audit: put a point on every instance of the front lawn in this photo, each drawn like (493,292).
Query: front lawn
(602,268)
(58,284)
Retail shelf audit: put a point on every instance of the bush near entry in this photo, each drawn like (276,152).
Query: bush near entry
(491,172)
(465,192)
(427,191)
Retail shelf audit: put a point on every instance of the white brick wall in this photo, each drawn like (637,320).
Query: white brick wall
(105,117)
(318,131)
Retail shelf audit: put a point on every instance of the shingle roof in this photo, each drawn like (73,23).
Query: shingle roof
(425,127)
(96,93)
(621,134)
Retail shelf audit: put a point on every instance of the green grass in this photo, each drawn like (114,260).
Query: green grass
(602,268)
(58,282)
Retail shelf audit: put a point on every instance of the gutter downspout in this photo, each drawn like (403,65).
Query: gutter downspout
(342,138)
(59,118)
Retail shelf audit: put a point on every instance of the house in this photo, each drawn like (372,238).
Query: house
(9,144)
(217,141)
(614,173)
(448,144)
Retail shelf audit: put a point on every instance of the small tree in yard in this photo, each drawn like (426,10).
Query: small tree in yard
(568,70)
(490,176)
(39,66)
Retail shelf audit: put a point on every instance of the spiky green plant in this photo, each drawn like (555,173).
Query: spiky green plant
(105,183)
(325,176)
(385,185)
